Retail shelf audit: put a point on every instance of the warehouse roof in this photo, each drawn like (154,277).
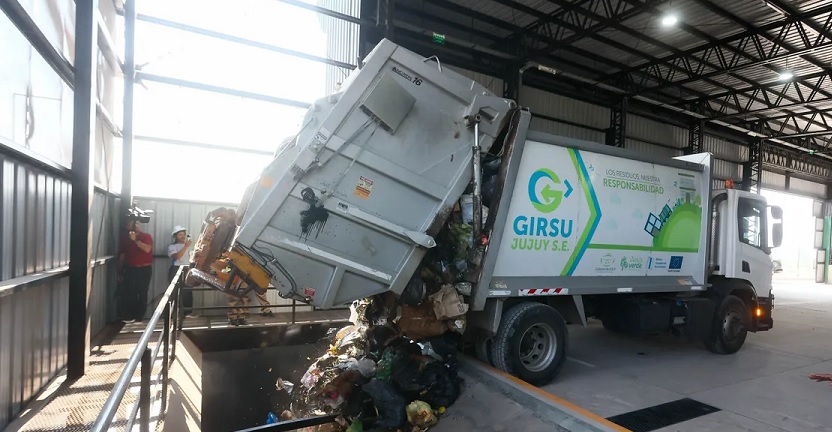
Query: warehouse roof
(759,66)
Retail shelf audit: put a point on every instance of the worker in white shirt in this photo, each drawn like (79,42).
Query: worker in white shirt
(179,255)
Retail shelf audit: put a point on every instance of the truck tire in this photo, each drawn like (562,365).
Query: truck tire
(530,343)
(482,347)
(730,326)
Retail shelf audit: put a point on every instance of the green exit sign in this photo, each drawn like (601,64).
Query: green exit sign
(439,38)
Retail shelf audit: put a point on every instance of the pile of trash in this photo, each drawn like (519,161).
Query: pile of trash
(395,367)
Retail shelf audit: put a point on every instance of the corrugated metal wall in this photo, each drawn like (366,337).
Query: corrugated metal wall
(804,187)
(34,220)
(774,181)
(560,107)
(653,149)
(493,84)
(167,214)
(33,334)
(651,131)
(567,130)
(34,237)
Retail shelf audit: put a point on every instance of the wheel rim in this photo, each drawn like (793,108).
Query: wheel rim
(732,326)
(538,347)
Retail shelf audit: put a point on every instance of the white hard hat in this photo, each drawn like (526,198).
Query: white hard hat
(176,229)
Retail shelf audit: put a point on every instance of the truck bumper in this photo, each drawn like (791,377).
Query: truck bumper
(763,313)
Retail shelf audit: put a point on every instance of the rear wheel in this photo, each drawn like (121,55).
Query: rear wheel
(530,343)
(730,327)
(482,347)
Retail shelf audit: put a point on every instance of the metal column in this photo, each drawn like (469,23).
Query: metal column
(384,18)
(753,168)
(617,133)
(512,83)
(696,135)
(127,121)
(83,160)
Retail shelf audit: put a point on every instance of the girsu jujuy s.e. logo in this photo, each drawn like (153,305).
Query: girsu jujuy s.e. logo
(544,231)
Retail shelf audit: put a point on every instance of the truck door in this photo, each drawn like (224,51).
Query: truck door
(753,262)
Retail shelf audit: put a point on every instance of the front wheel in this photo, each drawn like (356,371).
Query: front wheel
(530,343)
(730,327)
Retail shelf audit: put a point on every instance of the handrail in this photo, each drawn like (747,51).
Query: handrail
(141,355)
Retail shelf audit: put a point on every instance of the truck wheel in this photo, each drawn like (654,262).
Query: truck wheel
(530,343)
(730,327)
(482,347)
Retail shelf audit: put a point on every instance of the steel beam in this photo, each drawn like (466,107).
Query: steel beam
(696,136)
(753,168)
(819,133)
(142,76)
(543,22)
(385,14)
(821,31)
(242,41)
(21,19)
(202,145)
(127,120)
(595,93)
(693,67)
(83,161)
(755,38)
(617,133)
(616,12)
(711,46)
(329,12)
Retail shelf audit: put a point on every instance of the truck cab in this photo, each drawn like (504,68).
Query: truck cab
(744,231)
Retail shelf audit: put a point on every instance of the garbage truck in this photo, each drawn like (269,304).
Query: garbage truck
(357,202)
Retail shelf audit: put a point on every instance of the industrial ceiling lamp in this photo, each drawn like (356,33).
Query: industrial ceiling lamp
(786,76)
(669,20)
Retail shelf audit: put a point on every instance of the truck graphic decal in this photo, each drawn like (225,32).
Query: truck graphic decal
(580,213)
(594,214)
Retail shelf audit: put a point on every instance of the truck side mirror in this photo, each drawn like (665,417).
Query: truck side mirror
(776,212)
(777,234)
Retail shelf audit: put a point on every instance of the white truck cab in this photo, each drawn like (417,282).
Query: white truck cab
(741,248)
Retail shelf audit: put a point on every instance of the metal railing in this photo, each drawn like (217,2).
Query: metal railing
(144,357)
(291,306)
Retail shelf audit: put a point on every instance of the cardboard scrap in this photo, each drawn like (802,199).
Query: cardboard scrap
(447,303)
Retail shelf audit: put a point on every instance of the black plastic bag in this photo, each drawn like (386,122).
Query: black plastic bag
(491,167)
(414,292)
(446,346)
(442,385)
(489,188)
(389,403)
(408,379)
(379,337)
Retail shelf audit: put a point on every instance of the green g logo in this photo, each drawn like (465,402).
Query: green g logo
(548,199)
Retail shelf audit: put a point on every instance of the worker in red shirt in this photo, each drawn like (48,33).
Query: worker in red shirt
(135,260)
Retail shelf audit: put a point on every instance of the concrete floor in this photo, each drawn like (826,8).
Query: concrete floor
(765,387)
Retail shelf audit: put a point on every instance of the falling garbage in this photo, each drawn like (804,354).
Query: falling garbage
(395,366)
(281,385)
